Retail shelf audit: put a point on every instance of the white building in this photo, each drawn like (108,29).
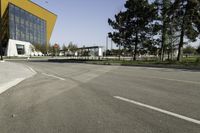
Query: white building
(20,49)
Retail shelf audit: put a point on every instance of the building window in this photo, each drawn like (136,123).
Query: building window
(25,26)
(20,49)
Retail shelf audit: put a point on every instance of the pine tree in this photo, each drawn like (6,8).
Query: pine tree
(132,26)
(188,14)
(163,7)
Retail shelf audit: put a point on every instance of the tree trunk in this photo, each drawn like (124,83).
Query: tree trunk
(168,55)
(136,44)
(172,47)
(164,34)
(164,29)
(180,47)
(180,53)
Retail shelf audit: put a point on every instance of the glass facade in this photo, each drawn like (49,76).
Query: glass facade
(4,35)
(25,26)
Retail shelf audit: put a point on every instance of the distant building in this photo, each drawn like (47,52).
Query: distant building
(23,25)
(92,51)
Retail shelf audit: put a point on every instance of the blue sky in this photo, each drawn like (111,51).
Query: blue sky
(83,22)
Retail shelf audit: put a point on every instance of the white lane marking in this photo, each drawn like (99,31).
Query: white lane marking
(160,110)
(30,68)
(10,84)
(176,80)
(49,75)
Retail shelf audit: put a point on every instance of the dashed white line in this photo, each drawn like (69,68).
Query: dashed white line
(49,75)
(159,110)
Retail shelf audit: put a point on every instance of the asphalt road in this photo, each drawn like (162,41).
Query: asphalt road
(80,98)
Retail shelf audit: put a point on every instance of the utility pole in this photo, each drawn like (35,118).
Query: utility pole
(106,45)
(172,41)
(111,47)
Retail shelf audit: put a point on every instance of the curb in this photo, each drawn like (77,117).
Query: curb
(16,81)
(197,68)
(166,66)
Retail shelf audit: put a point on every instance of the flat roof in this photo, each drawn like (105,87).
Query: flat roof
(91,47)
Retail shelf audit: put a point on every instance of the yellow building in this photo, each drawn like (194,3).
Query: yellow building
(26,22)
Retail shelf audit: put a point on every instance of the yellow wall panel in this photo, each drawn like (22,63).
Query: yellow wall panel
(35,10)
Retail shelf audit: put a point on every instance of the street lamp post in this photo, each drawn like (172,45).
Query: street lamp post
(111,46)
(106,45)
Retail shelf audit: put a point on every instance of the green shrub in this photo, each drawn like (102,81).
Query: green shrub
(197,60)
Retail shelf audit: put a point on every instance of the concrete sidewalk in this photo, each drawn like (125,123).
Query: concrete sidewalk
(13,73)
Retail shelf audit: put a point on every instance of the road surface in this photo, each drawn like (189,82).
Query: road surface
(80,98)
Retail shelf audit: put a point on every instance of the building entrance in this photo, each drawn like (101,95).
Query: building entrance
(20,49)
